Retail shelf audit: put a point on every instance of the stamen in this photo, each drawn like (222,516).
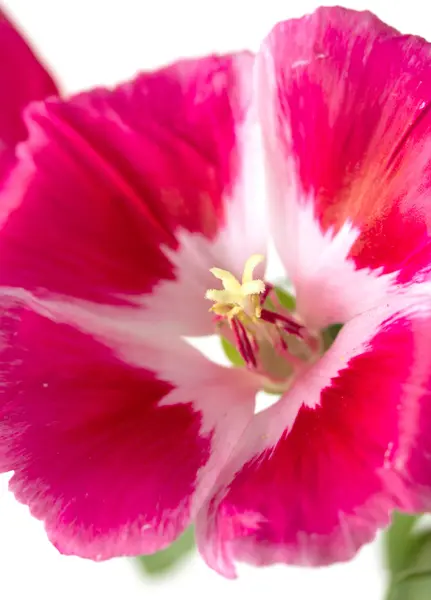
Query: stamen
(264,295)
(289,325)
(261,335)
(250,266)
(243,342)
(238,298)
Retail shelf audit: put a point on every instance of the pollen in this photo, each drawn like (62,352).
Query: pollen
(238,299)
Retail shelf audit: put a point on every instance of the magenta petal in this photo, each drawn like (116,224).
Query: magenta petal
(108,469)
(351,98)
(22,79)
(108,177)
(358,448)
(115,437)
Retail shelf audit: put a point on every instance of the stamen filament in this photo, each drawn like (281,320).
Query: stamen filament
(243,342)
(289,325)
(264,295)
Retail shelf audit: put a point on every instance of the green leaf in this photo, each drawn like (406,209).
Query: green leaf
(334,329)
(330,333)
(232,353)
(399,543)
(408,558)
(286,300)
(414,581)
(158,564)
(418,588)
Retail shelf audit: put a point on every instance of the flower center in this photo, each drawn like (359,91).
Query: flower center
(270,339)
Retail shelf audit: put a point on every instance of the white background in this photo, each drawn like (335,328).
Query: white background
(88,42)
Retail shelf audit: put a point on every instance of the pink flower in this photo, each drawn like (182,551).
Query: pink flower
(23,79)
(131,212)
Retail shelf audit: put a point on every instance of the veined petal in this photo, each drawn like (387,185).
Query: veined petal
(114,187)
(344,108)
(318,473)
(22,80)
(114,457)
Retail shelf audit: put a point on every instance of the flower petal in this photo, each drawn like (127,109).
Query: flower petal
(109,177)
(345,137)
(113,457)
(320,471)
(22,80)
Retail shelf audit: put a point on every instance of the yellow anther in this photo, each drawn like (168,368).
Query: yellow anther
(238,299)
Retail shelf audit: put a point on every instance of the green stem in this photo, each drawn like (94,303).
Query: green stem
(403,576)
